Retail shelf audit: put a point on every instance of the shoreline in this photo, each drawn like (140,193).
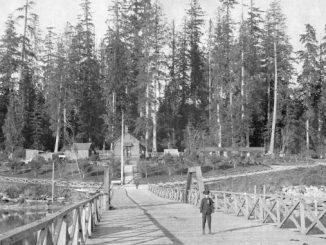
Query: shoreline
(31,207)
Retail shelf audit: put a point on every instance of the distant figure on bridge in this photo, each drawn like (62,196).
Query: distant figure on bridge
(207,208)
(136,183)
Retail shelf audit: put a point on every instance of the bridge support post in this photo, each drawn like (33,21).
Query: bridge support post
(200,182)
(107,188)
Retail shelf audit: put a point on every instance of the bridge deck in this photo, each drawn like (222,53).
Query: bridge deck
(142,218)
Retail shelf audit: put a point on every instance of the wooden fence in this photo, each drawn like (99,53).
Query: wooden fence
(61,183)
(71,225)
(305,215)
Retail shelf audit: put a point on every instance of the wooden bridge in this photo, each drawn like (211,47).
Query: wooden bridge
(168,214)
(140,216)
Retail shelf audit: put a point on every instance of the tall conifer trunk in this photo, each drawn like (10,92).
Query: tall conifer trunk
(146,118)
(218,115)
(272,142)
(209,74)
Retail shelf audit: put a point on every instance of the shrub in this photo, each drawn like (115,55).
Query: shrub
(19,152)
(15,166)
(116,166)
(13,192)
(59,164)
(85,167)
(225,165)
(206,169)
(36,191)
(3,156)
(94,157)
(215,159)
(36,164)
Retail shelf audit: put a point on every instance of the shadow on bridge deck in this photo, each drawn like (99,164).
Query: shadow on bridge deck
(140,217)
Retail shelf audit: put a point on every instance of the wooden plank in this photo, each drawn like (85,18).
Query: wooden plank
(57,230)
(253,209)
(318,224)
(302,217)
(84,222)
(235,200)
(242,209)
(63,233)
(247,204)
(289,214)
(90,220)
(225,203)
(317,221)
(269,213)
(189,175)
(41,240)
(81,232)
(74,227)
(200,181)
(107,188)
(278,211)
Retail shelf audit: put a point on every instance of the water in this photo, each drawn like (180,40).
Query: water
(10,219)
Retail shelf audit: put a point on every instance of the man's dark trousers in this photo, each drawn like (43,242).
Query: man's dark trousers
(207,217)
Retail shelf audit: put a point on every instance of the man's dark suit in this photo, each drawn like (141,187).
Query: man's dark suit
(206,208)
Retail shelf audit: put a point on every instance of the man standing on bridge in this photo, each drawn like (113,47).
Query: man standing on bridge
(206,208)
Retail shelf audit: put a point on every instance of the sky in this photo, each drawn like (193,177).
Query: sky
(57,12)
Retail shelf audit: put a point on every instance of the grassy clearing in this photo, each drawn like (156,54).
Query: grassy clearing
(208,172)
(273,181)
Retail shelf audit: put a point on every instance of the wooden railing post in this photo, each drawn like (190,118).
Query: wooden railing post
(278,210)
(315,205)
(107,188)
(90,220)
(63,232)
(235,204)
(255,199)
(83,222)
(302,216)
(261,207)
(225,203)
(216,201)
(246,204)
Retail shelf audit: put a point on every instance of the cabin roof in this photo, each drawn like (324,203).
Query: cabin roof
(81,146)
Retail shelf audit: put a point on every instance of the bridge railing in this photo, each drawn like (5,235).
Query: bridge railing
(307,215)
(71,225)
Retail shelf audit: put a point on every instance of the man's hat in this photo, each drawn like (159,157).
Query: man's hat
(206,192)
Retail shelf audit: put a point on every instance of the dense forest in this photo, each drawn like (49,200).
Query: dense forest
(205,83)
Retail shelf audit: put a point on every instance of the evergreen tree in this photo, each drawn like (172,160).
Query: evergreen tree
(276,47)
(9,63)
(26,75)
(168,110)
(309,80)
(198,84)
(253,90)
(223,77)
(13,125)
(115,71)
(87,90)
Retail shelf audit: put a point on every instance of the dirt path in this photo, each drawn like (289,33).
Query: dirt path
(274,168)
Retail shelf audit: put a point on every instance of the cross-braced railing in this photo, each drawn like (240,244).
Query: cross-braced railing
(71,225)
(303,214)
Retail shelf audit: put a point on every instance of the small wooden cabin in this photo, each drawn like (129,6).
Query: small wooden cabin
(79,151)
(132,148)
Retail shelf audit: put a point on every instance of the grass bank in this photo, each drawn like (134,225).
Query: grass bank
(273,181)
